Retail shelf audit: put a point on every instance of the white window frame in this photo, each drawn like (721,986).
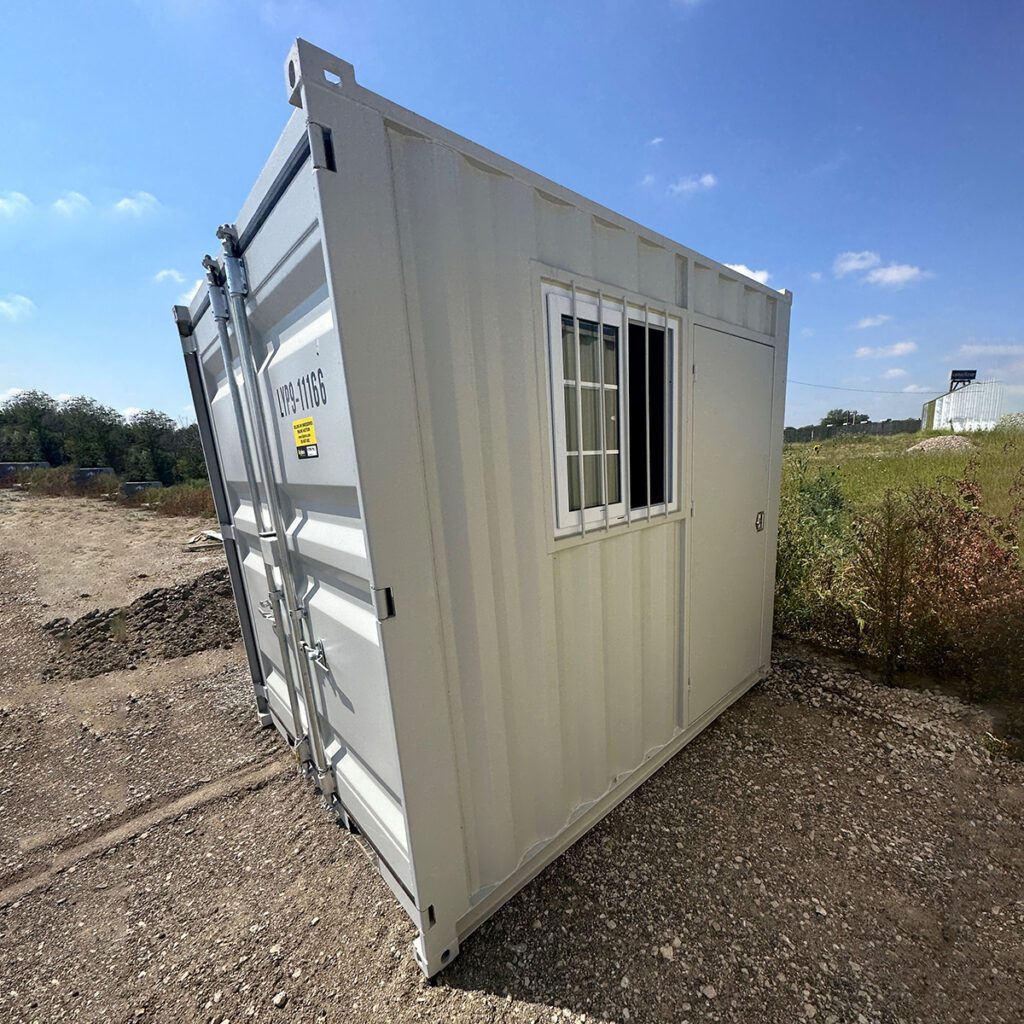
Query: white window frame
(608,309)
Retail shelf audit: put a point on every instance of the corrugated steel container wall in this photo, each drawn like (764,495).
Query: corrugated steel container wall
(533,677)
(563,666)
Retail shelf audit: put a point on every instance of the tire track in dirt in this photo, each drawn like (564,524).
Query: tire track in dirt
(246,779)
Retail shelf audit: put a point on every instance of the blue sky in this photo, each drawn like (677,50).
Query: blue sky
(868,156)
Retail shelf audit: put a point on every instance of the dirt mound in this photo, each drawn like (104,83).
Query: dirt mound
(946,443)
(168,622)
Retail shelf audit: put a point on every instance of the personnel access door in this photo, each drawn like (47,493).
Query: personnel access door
(732,416)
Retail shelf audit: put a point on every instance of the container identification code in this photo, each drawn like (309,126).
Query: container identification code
(305,438)
(308,391)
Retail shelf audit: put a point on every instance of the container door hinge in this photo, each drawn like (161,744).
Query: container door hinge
(321,147)
(693,507)
(693,369)
(383,603)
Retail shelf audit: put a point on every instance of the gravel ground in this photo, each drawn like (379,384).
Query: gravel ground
(829,849)
(946,443)
(166,622)
(111,556)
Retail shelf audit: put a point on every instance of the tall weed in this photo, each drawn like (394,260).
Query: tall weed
(813,567)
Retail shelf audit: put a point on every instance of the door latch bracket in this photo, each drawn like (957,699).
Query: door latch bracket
(383,603)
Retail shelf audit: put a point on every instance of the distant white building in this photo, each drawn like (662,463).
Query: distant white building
(968,405)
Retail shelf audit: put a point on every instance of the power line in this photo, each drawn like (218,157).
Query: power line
(863,391)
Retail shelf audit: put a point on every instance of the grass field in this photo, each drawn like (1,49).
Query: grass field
(913,559)
(867,467)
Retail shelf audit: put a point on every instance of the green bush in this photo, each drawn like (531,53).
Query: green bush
(812,596)
(189,499)
(60,481)
(193,498)
(924,577)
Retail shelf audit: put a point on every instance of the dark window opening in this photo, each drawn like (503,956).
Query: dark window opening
(645,404)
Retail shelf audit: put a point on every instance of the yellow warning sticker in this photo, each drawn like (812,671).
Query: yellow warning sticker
(305,438)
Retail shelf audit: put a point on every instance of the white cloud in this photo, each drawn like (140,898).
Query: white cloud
(761,276)
(892,275)
(169,275)
(6,396)
(71,204)
(896,275)
(16,307)
(13,204)
(991,350)
(915,389)
(688,186)
(131,411)
(647,181)
(656,141)
(851,262)
(63,396)
(894,373)
(815,275)
(138,204)
(900,348)
(806,332)
(186,297)
(872,321)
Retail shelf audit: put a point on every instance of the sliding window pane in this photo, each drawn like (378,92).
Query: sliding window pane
(614,487)
(593,484)
(591,398)
(611,355)
(572,443)
(588,351)
(611,419)
(568,349)
(573,479)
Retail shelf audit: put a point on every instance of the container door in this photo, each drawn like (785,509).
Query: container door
(303,399)
(732,413)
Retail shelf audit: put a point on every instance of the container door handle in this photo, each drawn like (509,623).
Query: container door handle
(759,522)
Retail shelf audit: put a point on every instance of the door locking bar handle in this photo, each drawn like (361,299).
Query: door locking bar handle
(316,654)
(266,606)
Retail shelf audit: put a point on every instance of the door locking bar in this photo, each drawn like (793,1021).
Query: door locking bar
(272,607)
(237,289)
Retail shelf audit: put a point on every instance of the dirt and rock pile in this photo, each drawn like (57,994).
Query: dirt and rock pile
(945,443)
(167,622)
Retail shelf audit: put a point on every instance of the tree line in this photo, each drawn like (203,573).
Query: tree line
(148,445)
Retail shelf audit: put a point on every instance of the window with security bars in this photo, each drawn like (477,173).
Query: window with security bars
(590,386)
(614,405)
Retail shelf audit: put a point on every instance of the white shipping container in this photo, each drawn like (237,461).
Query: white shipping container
(497,471)
(974,406)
